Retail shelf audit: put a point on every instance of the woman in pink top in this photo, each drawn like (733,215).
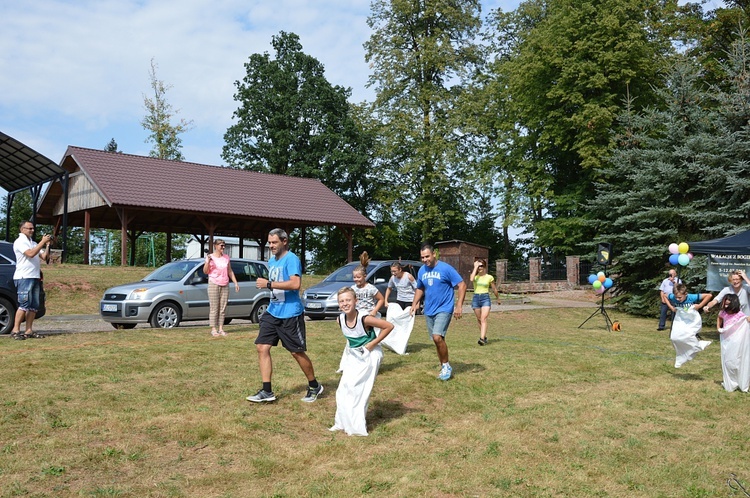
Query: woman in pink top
(219,273)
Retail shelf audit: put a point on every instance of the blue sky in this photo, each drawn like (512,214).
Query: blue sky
(74,72)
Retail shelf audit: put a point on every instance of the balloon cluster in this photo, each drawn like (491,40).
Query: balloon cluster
(600,282)
(679,255)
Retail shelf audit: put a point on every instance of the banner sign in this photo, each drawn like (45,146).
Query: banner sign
(721,265)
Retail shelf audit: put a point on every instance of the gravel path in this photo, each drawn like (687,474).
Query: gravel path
(66,324)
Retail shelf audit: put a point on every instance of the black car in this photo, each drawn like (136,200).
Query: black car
(8,294)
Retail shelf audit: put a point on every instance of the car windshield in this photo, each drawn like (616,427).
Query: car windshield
(344,274)
(171,272)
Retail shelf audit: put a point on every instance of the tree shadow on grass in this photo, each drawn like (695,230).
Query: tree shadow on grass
(383,411)
(710,335)
(688,376)
(387,367)
(415,348)
(462,368)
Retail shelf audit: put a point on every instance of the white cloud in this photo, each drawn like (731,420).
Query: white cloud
(74,71)
(80,69)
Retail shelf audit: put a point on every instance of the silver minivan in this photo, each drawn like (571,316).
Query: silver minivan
(178,291)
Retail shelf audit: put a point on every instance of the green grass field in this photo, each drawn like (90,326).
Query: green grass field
(546,409)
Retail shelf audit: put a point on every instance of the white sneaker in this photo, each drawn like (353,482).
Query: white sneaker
(445,372)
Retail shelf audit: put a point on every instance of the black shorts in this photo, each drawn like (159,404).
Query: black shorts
(291,332)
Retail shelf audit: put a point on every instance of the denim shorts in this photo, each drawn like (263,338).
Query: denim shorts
(481,301)
(28,293)
(438,324)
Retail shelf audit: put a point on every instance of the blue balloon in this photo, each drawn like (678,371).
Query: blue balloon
(608,283)
(592,278)
(674,259)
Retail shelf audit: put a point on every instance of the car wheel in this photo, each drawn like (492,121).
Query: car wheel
(123,326)
(166,316)
(7,316)
(227,321)
(258,310)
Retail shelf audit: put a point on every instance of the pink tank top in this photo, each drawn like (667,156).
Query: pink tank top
(218,274)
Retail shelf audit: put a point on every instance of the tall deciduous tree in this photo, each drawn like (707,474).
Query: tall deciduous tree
(567,66)
(421,52)
(164,135)
(292,121)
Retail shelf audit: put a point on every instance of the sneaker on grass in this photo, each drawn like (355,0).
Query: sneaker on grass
(312,393)
(446,372)
(262,396)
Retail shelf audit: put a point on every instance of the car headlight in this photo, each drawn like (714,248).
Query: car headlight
(333,299)
(138,294)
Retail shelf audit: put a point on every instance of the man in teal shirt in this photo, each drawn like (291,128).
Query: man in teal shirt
(284,320)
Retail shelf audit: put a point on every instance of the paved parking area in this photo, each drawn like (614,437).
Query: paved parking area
(68,324)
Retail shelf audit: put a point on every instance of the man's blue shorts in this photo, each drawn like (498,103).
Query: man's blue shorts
(28,293)
(438,324)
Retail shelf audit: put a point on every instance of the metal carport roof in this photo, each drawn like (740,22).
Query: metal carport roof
(21,168)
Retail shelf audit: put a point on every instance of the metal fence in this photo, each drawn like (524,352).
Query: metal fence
(554,269)
(517,271)
(585,268)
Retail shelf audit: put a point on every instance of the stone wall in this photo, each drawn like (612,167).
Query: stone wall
(529,287)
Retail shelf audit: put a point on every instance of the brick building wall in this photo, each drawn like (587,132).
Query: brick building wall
(461,256)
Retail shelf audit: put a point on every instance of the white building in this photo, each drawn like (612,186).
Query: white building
(250,248)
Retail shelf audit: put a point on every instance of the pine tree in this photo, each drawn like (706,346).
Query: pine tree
(660,186)
(111,146)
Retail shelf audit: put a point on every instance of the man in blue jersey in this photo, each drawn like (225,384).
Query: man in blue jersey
(436,281)
(284,320)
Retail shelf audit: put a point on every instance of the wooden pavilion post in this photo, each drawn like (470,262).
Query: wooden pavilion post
(86,236)
(168,255)
(124,222)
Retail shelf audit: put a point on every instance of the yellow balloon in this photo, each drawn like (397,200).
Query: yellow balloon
(683,248)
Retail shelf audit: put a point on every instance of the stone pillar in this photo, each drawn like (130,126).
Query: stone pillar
(535,270)
(501,270)
(573,269)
